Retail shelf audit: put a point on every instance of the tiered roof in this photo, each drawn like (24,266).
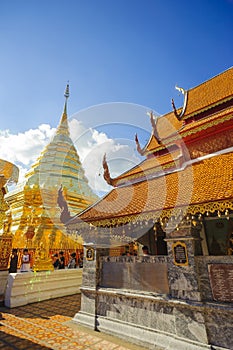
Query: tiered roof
(191,169)
(209,94)
(204,186)
(208,97)
(59,164)
(34,202)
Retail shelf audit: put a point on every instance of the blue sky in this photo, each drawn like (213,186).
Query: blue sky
(126,50)
(130,51)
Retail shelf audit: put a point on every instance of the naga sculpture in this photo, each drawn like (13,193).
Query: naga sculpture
(139,149)
(107,176)
(65,214)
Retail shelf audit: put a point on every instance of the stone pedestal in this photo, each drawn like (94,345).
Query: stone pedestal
(184,243)
(3,283)
(28,287)
(90,281)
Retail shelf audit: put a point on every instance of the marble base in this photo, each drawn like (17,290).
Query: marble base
(156,320)
(145,336)
(3,281)
(138,334)
(86,319)
(29,287)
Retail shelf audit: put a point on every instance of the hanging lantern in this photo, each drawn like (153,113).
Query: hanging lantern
(227,214)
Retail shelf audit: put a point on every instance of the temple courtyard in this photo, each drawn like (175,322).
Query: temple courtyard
(155,254)
(48,325)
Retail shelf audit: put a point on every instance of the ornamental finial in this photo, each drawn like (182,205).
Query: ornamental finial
(63,125)
(179,115)
(154,127)
(138,145)
(66,94)
(67,90)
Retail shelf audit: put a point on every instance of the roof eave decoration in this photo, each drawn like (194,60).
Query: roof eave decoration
(162,142)
(154,134)
(154,127)
(185,131)
(221,207)
(106,175)
(184,92)
(139,149)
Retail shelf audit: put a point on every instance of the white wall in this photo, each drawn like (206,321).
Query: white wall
(29,287)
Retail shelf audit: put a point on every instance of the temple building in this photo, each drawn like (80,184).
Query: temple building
(34,203)
(179,203)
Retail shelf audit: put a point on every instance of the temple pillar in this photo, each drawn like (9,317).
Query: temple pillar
(90,281)
(183,244)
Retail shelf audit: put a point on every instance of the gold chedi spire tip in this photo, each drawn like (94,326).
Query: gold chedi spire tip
(67,90)
(63,125)
(66,94)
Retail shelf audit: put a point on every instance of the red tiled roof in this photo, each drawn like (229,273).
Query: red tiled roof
(207,181)
(149,166)
(200,98)
(209,93)
(159,162)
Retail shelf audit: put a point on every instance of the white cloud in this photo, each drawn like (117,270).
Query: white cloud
(92,145)
(23,149)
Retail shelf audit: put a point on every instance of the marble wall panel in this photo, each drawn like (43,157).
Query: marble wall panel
(219,325)
(135,277)
(142,311)
(197,322)
(202,263)
(135,274)
(190,324)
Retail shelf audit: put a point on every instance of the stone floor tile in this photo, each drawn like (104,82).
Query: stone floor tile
(47,326)
(104,344)
(122,348)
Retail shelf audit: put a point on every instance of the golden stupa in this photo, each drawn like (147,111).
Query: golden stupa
(9,174)
(35,213)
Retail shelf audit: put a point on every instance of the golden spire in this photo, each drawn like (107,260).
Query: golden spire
(63,127)
(66,94)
